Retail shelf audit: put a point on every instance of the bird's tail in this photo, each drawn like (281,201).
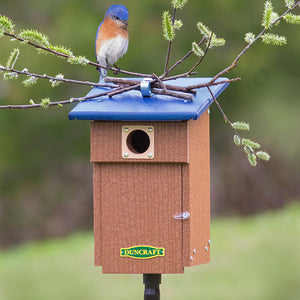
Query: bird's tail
(103,74)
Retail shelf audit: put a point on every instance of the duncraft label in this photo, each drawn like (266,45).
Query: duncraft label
(142,252)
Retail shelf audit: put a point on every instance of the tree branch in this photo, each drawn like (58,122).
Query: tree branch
(187,89)
(56,103)
(69,56)
(235,61)
(45,76)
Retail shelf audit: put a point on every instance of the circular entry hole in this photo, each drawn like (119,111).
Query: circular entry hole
(138,141)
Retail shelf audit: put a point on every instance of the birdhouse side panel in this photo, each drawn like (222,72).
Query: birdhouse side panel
(196,197)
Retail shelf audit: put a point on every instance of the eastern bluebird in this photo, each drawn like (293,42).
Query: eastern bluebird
(112,37)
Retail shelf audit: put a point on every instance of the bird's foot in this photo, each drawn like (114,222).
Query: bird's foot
(118,70)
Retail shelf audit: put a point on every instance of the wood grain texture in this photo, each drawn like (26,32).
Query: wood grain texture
(139,202)
(170,141)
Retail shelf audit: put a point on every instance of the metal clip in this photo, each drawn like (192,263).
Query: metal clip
(182,216)
(145,87)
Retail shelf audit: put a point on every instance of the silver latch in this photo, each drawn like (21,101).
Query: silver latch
(145,87)
(182,216)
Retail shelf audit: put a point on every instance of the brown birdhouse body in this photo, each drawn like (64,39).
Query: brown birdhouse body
(151,180)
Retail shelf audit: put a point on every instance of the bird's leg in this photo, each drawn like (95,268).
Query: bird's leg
(118,70)
(108,65)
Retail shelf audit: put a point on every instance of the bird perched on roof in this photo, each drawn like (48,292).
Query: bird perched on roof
(112,37)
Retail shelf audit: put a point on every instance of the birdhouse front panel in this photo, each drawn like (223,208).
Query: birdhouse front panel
(141,202)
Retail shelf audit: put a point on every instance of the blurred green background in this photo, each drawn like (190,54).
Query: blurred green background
(45,174)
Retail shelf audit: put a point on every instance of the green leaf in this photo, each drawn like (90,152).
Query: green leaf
(237,140)
(35,37)
(289,3)
(204,30)
(275,17)
(249,37)
(252,159)
(31,102)
(273,39)
(55,83)
(12,58)
(216,42)
(248,150)
(197,50)
(61,49)
(240,125)
(179,3)
(30,81)
(267,16)
(168,28)
(45,103)
(6,24)
(178,24)
(263,155)
(292,19)
(250,144)
(78,60)
(10,76)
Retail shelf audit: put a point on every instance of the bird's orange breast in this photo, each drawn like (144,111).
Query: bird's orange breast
(109,30)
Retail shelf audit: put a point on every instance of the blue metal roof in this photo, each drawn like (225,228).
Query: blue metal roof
(132,106)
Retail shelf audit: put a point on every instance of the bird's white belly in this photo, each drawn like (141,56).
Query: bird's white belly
(113,49)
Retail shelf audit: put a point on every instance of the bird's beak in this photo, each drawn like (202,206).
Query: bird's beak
(125,22)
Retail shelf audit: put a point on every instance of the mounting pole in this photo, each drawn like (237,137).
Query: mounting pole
(152,282)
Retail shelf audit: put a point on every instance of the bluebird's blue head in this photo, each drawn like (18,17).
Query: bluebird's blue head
(118,13)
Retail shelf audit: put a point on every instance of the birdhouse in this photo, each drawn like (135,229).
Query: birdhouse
(151,179)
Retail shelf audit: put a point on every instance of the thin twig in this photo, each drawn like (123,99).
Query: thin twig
(179,76)
(184,58)
(162,85)
(45,76)
(209,83)
(173,94)
(227,120)
(170,44)
(201,59)
(191,71)
(56,103)
(123,90)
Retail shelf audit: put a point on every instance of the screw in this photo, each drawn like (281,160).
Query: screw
(194,251)
(150,155)
(191,258)
(150,129)
(125,154)
(206,249)
(209,111)
(209,242)
(126,129)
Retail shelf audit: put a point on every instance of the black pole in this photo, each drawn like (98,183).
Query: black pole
(152,282)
